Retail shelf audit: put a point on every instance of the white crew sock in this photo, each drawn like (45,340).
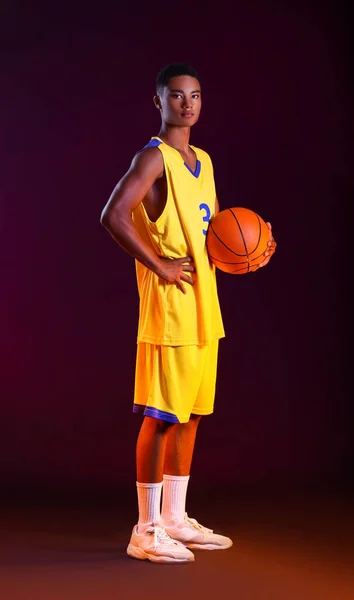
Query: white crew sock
(174,498)
(149,501)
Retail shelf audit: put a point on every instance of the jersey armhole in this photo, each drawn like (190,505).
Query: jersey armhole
(155,225)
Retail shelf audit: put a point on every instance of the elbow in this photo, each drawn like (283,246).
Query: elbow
(105,218)
(113,220)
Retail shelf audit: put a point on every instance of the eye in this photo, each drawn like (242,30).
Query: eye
(195,96)
(176,95)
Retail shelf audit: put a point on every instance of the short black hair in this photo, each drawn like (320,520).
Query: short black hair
(174,70)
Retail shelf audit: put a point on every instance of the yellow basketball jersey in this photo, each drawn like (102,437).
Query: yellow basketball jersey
(167,316)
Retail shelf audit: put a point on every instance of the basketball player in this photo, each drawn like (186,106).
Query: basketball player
(159,213)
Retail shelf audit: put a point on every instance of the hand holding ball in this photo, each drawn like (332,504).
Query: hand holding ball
(237,239)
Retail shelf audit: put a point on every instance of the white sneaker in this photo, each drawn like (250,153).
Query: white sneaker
(195,536)
(154,544)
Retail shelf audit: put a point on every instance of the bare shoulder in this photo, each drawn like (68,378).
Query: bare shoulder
(148,162)
(147,167)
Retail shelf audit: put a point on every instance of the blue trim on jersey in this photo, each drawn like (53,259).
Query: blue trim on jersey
(156,143)
(197,169)
(152,144)
(149,411)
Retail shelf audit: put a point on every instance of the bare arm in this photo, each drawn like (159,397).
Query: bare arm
(116,217)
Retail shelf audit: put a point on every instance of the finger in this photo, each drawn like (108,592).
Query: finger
(181,287)
(269,226)
(188,268)
(185,259)
(187,279)
(264,262)
(266,257)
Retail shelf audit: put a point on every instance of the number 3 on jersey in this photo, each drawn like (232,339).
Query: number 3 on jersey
(206,216)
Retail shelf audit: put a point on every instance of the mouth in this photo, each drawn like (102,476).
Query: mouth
(187,115)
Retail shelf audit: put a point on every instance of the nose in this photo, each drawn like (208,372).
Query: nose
(187,103)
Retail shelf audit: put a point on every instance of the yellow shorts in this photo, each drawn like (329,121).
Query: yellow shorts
(173,382)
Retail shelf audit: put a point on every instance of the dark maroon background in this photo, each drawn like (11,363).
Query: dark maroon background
(76,103)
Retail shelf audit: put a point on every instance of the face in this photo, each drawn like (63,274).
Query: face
(180,102)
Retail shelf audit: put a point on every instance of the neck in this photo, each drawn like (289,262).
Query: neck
(177,137)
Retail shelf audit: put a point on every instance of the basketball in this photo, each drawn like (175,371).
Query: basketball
(237,239)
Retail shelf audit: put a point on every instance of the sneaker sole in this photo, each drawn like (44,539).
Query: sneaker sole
(138,553)
(207,546)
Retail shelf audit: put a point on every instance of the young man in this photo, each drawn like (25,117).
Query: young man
(158,213)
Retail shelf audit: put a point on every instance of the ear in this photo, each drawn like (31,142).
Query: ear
(157,102)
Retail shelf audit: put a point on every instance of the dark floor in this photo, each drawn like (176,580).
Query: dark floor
(287,546)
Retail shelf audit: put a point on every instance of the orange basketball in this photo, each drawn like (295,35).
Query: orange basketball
(237,239)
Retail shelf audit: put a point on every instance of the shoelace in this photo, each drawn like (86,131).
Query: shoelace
(197,525)
(160,536)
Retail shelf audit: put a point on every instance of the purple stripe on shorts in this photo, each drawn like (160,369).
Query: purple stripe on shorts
(149,411)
